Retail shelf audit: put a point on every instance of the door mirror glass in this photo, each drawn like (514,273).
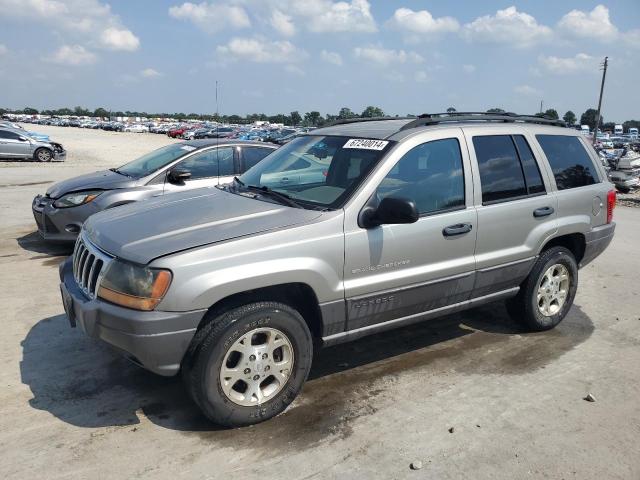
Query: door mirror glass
(390,210)
(178,177)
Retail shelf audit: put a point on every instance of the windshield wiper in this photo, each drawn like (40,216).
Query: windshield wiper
(238,181)
(121,173)
(282,197)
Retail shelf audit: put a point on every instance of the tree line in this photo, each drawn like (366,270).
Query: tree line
(311,119)
(295,118)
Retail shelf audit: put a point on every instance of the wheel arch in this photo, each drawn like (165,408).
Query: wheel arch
(574,242)
(35,152)
(297,295)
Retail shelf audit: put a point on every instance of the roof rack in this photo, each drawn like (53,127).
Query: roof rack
(344,121)
(437,118)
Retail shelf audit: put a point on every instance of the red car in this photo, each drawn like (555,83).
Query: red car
(177,132)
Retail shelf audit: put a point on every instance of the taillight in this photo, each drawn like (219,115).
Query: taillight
(611,203)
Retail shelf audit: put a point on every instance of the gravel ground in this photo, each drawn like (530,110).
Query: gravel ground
(468,396)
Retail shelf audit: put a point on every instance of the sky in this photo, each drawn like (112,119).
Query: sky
(275,56)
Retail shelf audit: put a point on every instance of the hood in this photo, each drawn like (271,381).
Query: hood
(142,231)
(38,136)
(103,180)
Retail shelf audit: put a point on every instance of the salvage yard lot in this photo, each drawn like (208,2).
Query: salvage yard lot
(469,395)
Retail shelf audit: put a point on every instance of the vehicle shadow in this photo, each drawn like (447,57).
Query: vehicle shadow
(82,382)
(33,242)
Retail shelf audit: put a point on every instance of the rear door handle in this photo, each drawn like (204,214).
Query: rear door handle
(457,229)
(543,212)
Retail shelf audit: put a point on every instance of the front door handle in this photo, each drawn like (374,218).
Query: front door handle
(543,212)
(457,229)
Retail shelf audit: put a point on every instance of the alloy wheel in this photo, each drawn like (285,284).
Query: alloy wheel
(257,367)
(44,155)
(553,290)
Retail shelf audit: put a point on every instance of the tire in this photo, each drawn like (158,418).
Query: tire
(532,306)
(235,401)
(43,155)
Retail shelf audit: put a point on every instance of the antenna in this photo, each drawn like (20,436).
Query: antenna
(216,98)
(604,66)
(217,134)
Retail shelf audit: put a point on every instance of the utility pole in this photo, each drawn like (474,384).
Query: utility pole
(604,75)
(541,101)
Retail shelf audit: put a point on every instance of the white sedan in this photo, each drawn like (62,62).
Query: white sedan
(136,128)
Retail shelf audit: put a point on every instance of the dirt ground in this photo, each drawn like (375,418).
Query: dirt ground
(470,395)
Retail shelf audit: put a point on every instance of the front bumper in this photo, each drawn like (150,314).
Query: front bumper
(60,224)
(59,153)
(154,340)
(597,240)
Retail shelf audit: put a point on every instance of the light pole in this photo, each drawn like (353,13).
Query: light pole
(604,75)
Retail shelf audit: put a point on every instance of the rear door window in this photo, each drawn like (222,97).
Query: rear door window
(571,165)
(252,155)
(508,168)
(500,171)
(532,176)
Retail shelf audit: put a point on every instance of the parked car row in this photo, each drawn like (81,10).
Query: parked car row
(185,130)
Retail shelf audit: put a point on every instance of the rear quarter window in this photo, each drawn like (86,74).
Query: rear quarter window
(571,164)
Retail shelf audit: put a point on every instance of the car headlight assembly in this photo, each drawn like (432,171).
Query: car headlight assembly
(133,286)
(76,198)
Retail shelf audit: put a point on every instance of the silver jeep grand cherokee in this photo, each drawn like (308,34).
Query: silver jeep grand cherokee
(352,229)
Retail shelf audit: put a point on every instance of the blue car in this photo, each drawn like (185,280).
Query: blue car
(41,137)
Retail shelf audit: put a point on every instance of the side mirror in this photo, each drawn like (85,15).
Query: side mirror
(390,211)
(23,139)
(178,177)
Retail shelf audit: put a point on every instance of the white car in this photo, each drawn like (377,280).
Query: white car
(136,128)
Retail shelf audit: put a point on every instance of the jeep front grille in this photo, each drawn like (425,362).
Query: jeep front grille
(89,265)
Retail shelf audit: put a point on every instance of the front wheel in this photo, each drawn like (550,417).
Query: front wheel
(43,155)
(248,364)
(547,294)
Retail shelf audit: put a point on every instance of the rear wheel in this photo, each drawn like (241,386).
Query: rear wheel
(43,155)
(547,294)
(248,364)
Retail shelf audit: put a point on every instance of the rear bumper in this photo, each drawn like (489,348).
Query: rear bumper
(597,240)
(154,340)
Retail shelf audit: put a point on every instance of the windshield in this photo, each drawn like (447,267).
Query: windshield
(155,160)
(319,170)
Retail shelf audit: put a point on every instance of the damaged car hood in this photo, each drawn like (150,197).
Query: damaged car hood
(142,231)
(103,180)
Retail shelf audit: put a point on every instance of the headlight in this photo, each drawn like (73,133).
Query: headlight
(131,286)
(76,198)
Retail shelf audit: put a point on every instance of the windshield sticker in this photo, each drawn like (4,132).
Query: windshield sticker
(188,148)
(365,144)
